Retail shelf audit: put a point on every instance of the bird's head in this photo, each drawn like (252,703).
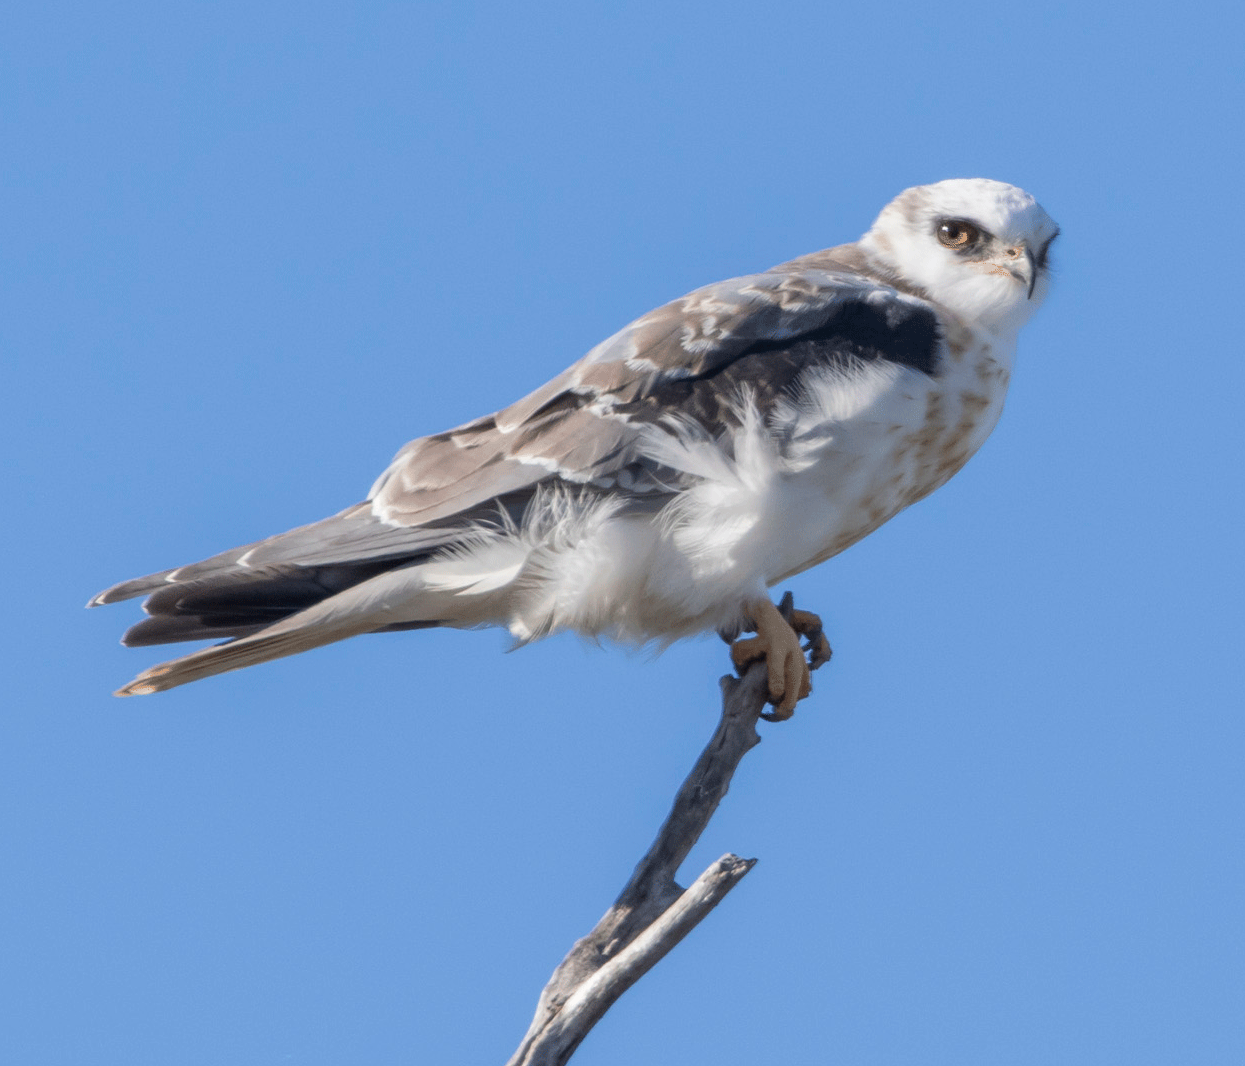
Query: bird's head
(979,247)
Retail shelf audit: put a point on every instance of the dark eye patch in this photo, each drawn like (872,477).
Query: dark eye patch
(1041,256)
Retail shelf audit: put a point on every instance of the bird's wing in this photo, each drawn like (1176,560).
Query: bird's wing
(691,359)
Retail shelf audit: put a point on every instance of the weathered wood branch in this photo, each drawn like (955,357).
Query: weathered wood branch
(652,913)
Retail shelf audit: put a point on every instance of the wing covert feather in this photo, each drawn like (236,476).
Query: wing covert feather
(579,427)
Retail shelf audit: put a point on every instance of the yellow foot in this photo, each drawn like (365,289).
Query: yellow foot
(777,641)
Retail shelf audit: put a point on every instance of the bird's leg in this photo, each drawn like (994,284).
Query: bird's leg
(777,640)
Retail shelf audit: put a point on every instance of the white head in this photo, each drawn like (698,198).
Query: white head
(978,247)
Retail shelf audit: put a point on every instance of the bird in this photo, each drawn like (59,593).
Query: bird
(661,485)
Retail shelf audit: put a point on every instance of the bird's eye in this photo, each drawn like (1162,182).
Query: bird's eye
(958,234)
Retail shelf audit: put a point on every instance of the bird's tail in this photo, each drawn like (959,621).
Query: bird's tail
(275,642)
(361,608)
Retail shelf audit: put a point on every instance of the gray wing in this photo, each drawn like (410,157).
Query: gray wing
(690,358)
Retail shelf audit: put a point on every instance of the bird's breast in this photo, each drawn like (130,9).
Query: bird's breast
(906,440)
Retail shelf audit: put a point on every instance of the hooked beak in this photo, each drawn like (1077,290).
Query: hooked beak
(1026,275)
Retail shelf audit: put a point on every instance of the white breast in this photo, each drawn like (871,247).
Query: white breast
(836,462)
(910,437)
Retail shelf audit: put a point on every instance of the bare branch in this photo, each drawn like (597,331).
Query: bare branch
(652,913)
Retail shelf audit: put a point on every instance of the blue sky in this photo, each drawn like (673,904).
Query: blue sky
(250,252)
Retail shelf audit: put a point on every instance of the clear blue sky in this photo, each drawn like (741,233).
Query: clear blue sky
(251,250)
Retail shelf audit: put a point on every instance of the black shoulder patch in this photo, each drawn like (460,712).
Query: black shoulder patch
(855,332)
(895,331)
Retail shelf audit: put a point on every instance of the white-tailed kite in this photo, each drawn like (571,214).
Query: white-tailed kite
(659,486)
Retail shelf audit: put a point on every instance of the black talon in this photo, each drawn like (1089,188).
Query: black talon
(786,606)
